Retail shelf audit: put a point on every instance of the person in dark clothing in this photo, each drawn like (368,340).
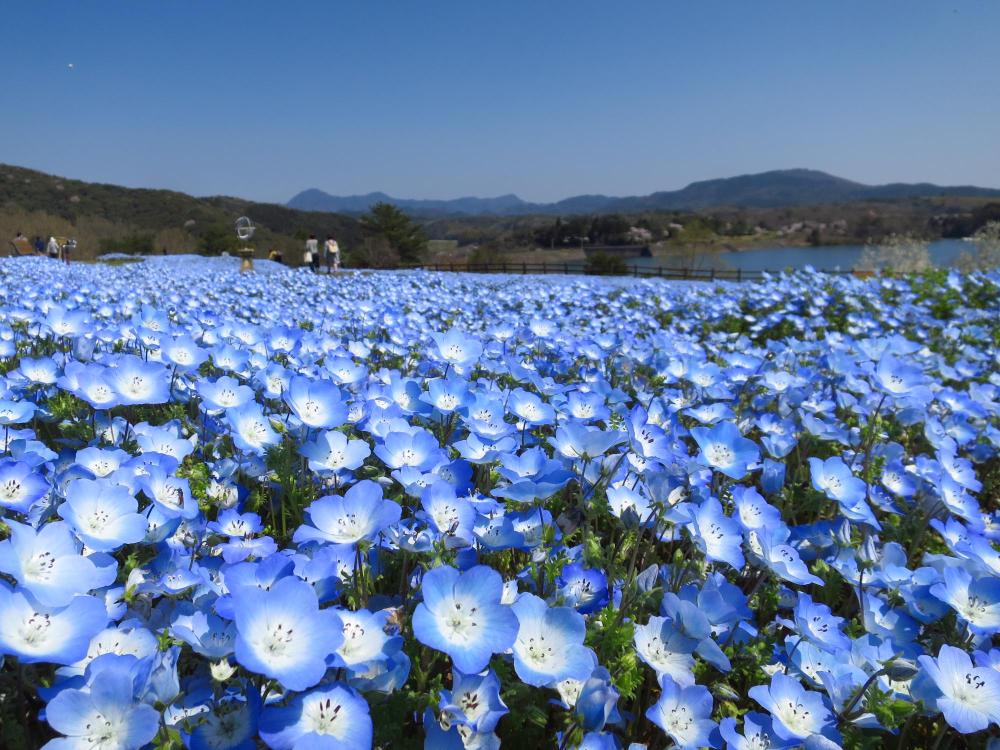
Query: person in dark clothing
(39,245)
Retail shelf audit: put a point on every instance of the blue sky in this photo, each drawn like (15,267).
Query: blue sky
(543,98)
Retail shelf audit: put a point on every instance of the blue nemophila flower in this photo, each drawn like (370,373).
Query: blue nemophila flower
(758,734)
(224,393)
(683,713)
(48,563)
(976,600)
(456,348)
(666,649)
(725,449)
(333,451)
(317,403)
(251,430)
(417,448)
(365,638)
(549,646)
(967,695)
(15,412)
(361,513)
(462,616)
(34,632)
(230,723)
(584,589)
(716,534)
(282,633)
(20,486)
(597,703)
(330,716)
(474,701)
(577,441)
(138,382)
(105,712)
(796,713)
(171,494)
(835,478)
(103,515)
(816,622)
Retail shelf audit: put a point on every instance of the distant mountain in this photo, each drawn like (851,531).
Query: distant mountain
(775,189)
(317,200)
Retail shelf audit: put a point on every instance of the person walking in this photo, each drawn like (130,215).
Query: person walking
(311,254)
(331,252)
(53,248)
(39,245)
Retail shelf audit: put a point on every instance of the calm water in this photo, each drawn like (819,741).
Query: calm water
(833,257)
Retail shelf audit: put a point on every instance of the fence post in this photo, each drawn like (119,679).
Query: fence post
(451,266)
(505,266)
(739,274)
(566,268)
(684,273)
(713,273)
(544,269)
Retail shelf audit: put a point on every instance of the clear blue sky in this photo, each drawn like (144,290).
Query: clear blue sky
(543,98)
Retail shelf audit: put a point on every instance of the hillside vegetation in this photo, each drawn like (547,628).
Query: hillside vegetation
(106,218)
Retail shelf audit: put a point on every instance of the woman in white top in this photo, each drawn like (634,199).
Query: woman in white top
(332,252)
(311,256)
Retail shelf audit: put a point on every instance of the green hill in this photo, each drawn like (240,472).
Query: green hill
(107,218)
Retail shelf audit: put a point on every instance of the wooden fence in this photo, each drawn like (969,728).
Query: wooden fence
(657,272)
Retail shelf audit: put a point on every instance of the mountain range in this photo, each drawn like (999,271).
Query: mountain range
(774,189)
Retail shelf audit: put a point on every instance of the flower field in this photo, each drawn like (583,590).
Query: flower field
(407,510)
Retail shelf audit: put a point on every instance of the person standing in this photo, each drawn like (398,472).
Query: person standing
(331,251)
(39,245)
(311,255)
(53,248)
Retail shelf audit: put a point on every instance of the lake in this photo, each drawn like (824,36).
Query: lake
(823,258)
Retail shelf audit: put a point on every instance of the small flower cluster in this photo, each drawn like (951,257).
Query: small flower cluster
(419,510)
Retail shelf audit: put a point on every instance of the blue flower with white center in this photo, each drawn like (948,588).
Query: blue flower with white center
(207,633)
(225,393)
(171,494)
(34,632)
(724,449)
(549,646)
(283,634)
(104,712)
(417,448)
(457,349)
(976,600)
(752,510)
(48,563)
(474,701)
(666,649)
(816,622)
(683,713)
(135,381)
(332,451)
(453,518)
(796,713)
(361,513)
(967,695)
(251,430)
(20,486)
(365,639)
(716,534)
(331,716)
(230,723)
(103,515)
(317,403)
(584,589)
(758,733)
(462,616)
(835,478)
(577,441)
